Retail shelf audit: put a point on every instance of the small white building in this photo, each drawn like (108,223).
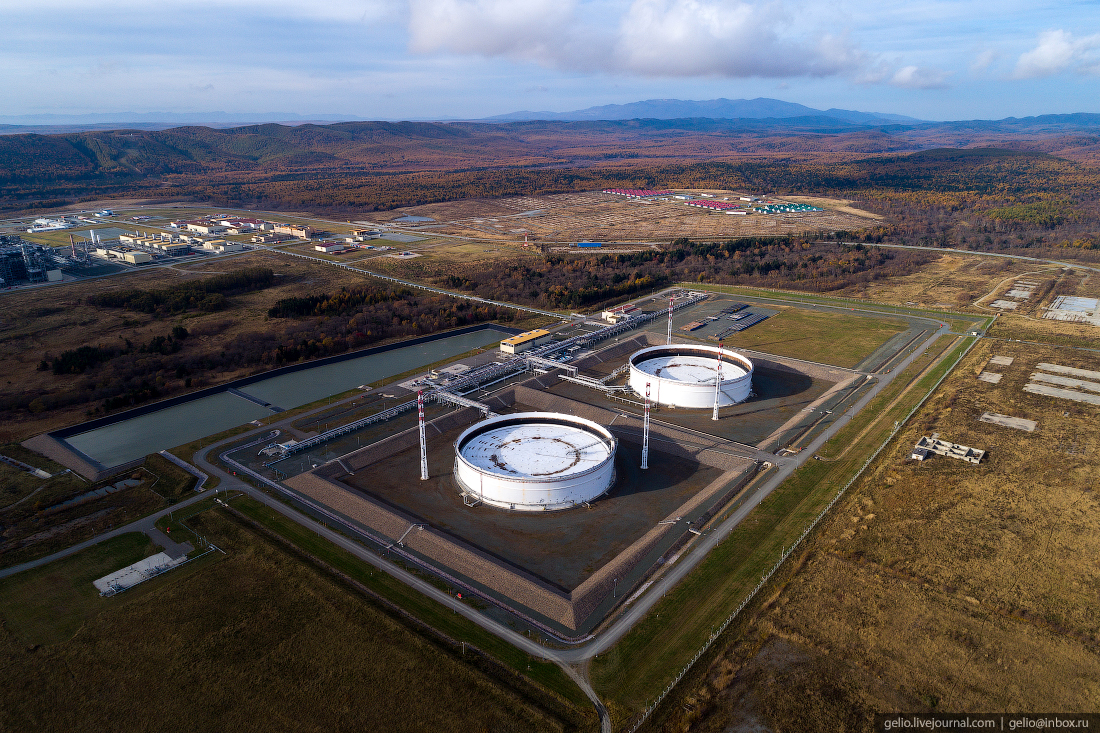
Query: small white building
(330,248)
(209,229)
(222,246)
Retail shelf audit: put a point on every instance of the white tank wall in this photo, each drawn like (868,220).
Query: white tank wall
(676,393)
(535,494)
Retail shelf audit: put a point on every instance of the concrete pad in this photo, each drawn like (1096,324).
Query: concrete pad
(1065,394)
(1001,360)
(1075,309)
(990,377)
(1018,423)
(1065,381)
(1019,294)
(171,548)
(139,572)
(1004,305)
(1059,369)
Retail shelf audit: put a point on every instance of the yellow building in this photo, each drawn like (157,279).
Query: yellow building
(525,341)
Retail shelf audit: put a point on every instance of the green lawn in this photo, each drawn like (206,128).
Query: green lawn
(257,639)
(424,609)
(829,338)
(48,604)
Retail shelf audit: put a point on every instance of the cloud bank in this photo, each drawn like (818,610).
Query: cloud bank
(1058,51)
(650,38)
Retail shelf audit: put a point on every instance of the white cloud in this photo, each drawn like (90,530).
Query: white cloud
(1057,51)
(916,77)
(731,39)
(984,60)
(535,29)
(652,38)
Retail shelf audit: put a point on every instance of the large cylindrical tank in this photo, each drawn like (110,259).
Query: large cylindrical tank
(535,461)
(683,375)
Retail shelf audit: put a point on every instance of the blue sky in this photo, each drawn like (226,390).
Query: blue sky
(369,59)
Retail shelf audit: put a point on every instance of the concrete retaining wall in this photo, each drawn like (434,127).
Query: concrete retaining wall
(69,457)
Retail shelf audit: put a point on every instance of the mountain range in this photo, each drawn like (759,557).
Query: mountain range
(722,109)
(652,109)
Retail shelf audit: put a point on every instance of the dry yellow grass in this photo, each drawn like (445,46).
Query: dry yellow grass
(938,585)
(596,216)
(950,281)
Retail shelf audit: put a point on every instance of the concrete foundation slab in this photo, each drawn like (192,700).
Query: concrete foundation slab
(1071,371)
(990,377)
(1065,394)
(1065,381)
(1001,360)
(1018,423)
(139,572)
(1004,305)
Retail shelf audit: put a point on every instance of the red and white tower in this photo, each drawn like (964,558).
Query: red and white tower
(423,437)
(670,299)
(717,382)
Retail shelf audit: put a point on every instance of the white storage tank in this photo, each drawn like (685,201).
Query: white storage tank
(683,375)
(535,461)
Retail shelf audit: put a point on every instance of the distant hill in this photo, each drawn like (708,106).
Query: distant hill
(52,124)
(727,109)
(352,164)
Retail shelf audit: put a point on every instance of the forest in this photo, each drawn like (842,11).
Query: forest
(575,281)
(208,294)
(1009,185)
(112,376)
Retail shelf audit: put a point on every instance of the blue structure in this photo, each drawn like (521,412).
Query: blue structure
(589,244)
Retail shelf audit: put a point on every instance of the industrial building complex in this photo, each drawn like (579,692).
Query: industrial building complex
(562,471)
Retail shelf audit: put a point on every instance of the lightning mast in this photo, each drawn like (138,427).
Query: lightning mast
(717,382)
(670,299)
(645,431)
(423,438)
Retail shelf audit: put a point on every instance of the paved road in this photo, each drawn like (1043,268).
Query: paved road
(141,525)
(1074,265)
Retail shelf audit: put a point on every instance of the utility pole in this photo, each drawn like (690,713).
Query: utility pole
(717,382)
(645,431)
(423,437)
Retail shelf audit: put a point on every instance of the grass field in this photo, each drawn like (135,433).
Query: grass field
(1060,333)
(634,671)
(959,322)
(426,611)
(936,585)
(48,605)
(41,526)
(260,636)
(952,281)
(828,338)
